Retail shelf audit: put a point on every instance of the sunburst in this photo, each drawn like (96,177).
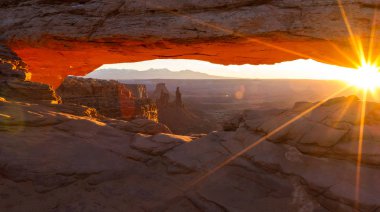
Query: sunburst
(366,78)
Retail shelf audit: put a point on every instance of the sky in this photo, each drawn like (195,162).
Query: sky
(297,69)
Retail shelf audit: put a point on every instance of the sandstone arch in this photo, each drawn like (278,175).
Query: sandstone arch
(58,38)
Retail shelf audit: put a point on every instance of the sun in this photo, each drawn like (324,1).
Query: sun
(367,77)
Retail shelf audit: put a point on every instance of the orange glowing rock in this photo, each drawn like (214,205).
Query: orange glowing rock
(53,60)
(79,37)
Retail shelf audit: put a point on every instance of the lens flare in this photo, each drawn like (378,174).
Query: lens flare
(366,77)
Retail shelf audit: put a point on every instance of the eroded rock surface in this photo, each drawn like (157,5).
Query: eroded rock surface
(74,38)
(15,80)
(54,159)
(331,130)
(110,98)
(11,66)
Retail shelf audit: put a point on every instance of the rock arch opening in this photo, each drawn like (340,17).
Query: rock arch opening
(194,96)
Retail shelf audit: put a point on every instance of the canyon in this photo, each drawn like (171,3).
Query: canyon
(66,145)
(60,38)
(128,102)
(61,157)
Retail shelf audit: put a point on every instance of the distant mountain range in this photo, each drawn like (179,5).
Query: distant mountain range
(128,74)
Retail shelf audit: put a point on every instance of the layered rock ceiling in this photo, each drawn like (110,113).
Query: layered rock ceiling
(60,38)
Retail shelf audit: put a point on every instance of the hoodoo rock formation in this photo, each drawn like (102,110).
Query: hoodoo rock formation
(110,98)
(178,98)
(60,38)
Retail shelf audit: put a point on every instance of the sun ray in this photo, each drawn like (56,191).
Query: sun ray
(345,19)
(372,36)
(360,148)
(369,80)
(360,47)
(359,62)
(345,55)
(377,60)
(254,144)
(355,41)
(345,109)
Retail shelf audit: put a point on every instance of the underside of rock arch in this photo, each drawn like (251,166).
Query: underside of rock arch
(60,38)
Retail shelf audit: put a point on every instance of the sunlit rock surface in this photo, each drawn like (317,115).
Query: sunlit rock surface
(331,130)
(60,38)
(15,80)
(67,158)
(110,98)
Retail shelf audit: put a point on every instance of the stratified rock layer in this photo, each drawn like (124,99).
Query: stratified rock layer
(11,66)
(60,38)
(110,98)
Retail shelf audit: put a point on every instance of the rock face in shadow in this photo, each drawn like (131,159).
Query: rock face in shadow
(174,114)
(74,38)
(161,94)
(110,98)
(65,158)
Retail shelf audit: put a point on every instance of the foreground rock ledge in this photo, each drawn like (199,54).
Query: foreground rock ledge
(54,159)
(60,38)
